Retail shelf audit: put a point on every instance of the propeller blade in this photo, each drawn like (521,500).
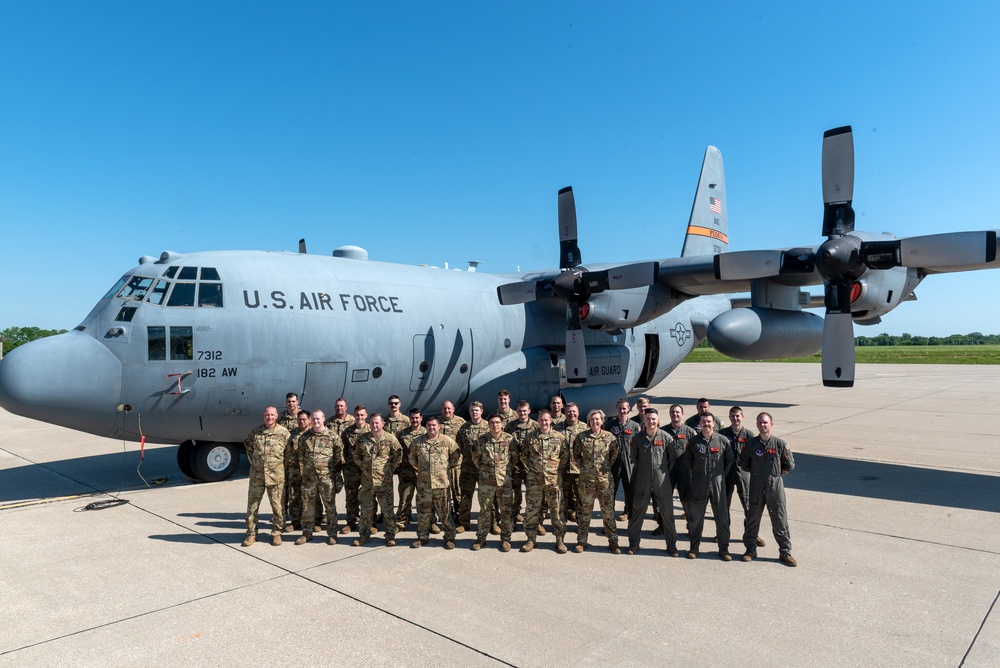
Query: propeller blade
(838,350)
(569,251)
(745,265)
(838,181)
(576,350)
(627,276)
(520,292)
(302,245)
(955,249)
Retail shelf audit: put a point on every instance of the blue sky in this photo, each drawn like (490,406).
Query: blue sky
(440,132)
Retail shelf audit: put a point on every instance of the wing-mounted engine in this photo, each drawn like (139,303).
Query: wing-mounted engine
(617,311)
(878,292)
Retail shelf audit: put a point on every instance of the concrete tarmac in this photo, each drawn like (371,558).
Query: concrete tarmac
(894,514)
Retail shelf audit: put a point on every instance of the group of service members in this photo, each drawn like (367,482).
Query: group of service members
(303,460)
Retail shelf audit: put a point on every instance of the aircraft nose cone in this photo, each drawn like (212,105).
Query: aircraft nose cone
(69,379)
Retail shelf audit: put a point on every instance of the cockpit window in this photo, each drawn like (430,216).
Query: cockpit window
(210,294)
(126,313)
(170,272)
(182,295)
(159,292)
(119,284)
(209,274)
(136,288)
(188,273)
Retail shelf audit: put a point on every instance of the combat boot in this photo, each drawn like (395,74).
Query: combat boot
(348,528)
(541,530)
(449,545)
(303,539)
(613,547)
(580,547)
(760,542)
(788,560)
(476,546)
(725,556)
(505,546)
(561,546)
(276,539)
(361,540)
(460,528)
(415,544)
(332,540)
(672,551)
(249,540)
(528,546)
(495,530)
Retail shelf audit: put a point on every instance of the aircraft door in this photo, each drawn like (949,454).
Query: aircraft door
(325,383)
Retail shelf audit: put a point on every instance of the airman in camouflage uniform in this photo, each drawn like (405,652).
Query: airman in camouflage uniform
(450,424)
(394,420)
(405,471)
(710,458)
(493,455)
(506,413)
(293,472)
(341,419)
(377,453)
(519,429)
(468,434)
(434,456)
(352,473)
(595,451)
(556,406)
(571,427)
(265,448)
(320,454)
(545,456)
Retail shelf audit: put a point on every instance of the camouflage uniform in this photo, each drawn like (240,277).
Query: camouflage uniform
(571,477)
(352,473)
(407,475)
(450,429)
(558,422)
(595,454)
(377,458)
(544,457)
(394,425)
(340,426)
(266,452)
(710,460)
(293,478)
(519,430)
(508,417)
(467,437)
(434,461)
(494,458)
(320,454)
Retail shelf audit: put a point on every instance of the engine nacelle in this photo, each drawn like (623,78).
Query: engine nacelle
(758,333)
(878,292)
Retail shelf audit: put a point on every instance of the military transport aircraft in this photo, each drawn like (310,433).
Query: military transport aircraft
(188,348)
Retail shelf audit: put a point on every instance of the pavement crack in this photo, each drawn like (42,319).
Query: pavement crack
(979,630)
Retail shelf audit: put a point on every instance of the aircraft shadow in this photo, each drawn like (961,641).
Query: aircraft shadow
(108,473)
(895,482)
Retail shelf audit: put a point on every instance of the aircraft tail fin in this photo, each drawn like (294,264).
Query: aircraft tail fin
(708,227)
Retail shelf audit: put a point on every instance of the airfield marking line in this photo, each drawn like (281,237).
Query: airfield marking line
(890,535)
(979,630)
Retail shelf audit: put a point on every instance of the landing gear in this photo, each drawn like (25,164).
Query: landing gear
(208,461)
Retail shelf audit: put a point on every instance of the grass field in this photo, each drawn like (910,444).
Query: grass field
(887,355)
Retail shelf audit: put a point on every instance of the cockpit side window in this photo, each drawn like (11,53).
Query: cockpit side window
(188,273)
(126,314)
(170,272)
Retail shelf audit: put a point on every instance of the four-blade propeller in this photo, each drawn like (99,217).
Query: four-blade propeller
(843,257)
(576,285)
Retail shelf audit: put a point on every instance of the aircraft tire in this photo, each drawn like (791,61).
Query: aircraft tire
(212,461)
(185,460)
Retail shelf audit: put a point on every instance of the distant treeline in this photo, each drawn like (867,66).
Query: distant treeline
(16,336)
(904,339)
